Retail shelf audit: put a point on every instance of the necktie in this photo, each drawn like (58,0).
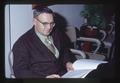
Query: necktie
(50,45)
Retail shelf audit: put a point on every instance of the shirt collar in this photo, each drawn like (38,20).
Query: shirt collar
(42,37)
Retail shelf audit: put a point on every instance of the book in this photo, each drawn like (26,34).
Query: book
(82,68)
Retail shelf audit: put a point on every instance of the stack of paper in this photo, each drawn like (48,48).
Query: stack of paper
(82,67)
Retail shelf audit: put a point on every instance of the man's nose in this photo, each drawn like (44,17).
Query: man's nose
(49,26)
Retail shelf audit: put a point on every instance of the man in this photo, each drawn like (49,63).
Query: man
(41,52)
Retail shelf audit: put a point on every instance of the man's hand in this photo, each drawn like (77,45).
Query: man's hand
(53,76)
(69,66)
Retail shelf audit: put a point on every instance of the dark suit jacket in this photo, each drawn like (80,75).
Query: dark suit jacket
(32,59)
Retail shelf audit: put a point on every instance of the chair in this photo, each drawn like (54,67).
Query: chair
(104,35)
(10,59)
(78,54)
(71,33)
(109,40)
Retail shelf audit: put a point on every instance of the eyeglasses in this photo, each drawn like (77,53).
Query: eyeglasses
(45,24)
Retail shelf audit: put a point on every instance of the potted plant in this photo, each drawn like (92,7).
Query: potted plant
(94,15)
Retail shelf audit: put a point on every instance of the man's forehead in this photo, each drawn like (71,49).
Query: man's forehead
(46,17)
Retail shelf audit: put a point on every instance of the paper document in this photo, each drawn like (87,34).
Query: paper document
(87,64)
(82,68)
(76,73)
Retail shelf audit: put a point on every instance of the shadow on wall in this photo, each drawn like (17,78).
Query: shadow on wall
(61,25)
(61,22)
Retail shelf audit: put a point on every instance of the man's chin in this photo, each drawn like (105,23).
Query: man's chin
(47,34)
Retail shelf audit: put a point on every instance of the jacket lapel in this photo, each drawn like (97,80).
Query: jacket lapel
(39,45)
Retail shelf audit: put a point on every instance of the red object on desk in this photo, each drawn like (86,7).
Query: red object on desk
(90,33)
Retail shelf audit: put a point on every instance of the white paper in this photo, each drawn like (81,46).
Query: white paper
(76,74)
(86,64)
(82,67)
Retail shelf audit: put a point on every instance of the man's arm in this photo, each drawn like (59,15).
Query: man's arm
(21,62)
(68,58)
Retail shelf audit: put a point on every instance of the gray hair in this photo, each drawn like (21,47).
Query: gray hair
(40,10)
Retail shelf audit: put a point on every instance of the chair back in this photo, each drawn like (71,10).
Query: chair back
(10,59)
(71,33)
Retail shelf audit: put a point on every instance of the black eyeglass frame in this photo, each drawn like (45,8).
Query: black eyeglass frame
(46,23)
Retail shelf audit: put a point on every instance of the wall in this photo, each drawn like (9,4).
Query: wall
(71,12)
(20,22)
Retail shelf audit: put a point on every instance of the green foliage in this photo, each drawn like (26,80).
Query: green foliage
(94,15)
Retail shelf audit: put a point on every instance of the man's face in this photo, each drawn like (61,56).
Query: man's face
(44,23)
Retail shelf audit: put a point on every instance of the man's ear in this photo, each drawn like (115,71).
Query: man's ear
(34,21)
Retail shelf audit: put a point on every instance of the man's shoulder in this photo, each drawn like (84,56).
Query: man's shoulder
(25,37)
(28,34)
